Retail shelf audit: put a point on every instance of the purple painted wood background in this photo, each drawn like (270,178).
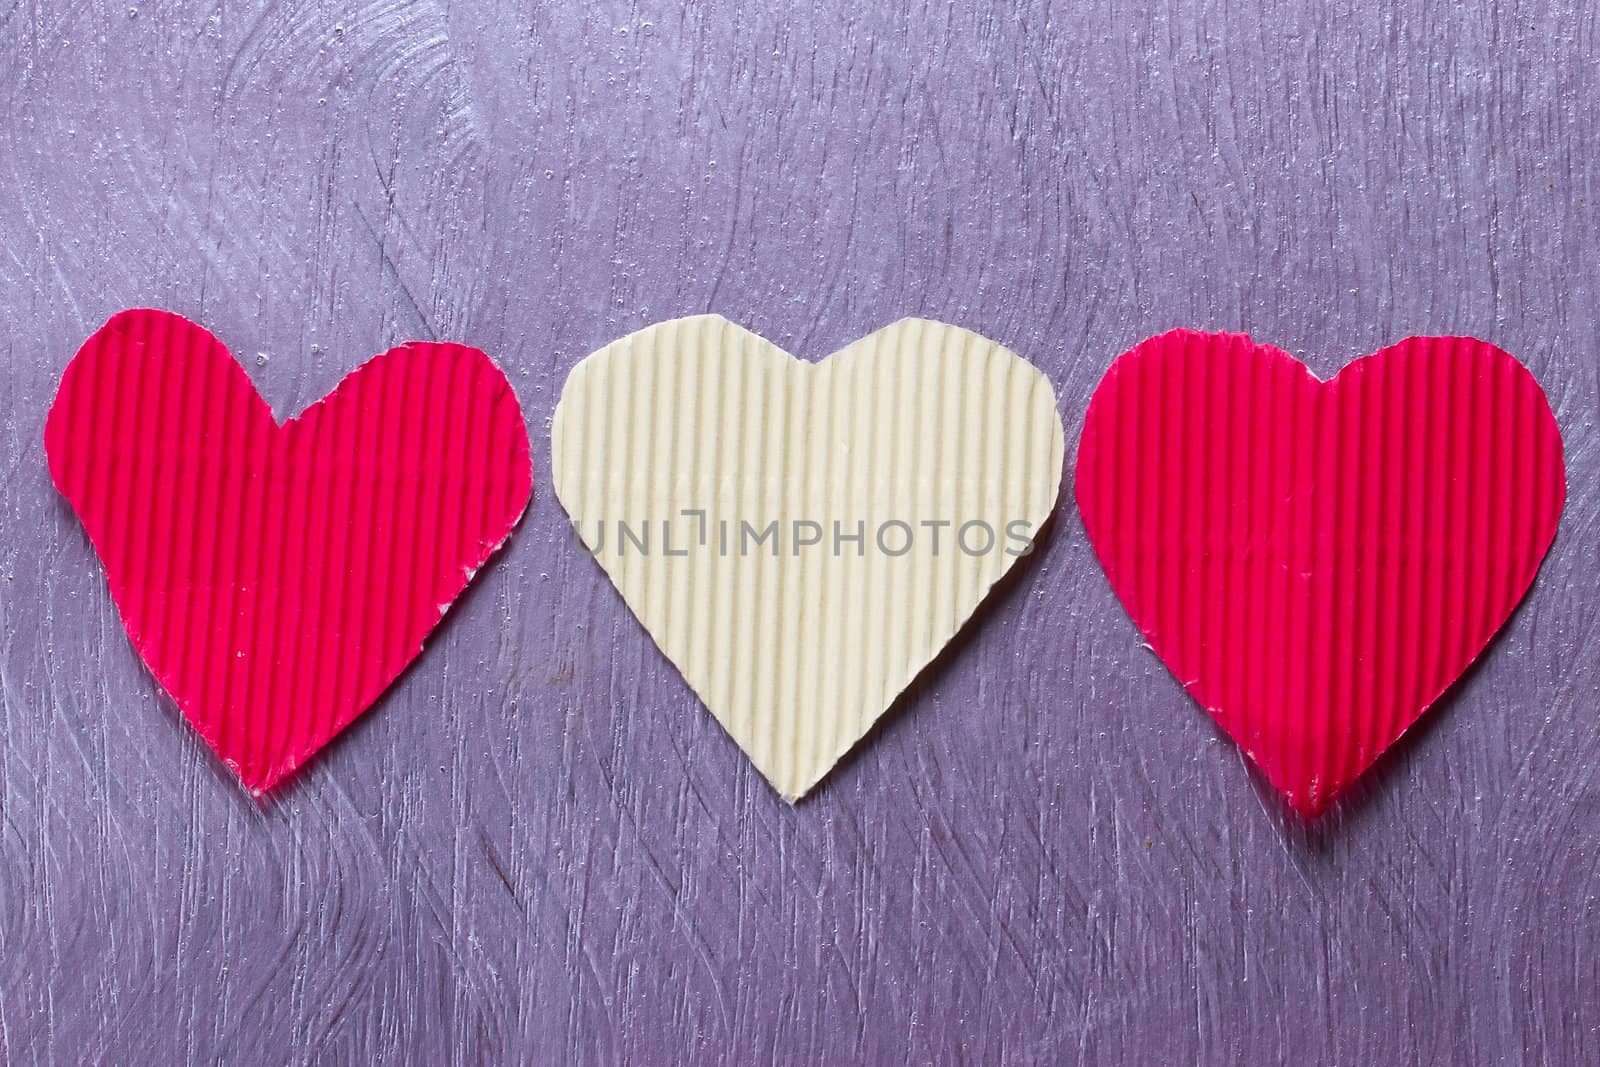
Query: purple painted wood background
(539,847)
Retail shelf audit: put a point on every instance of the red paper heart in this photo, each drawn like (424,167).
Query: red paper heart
(277,578)
(1317,561)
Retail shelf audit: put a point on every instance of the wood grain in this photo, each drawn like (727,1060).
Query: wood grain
(539,848)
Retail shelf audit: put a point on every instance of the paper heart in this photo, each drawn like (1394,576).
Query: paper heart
(1318,561)
(703,434)
(277,578)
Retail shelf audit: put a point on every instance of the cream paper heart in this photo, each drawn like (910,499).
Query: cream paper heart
(802,539)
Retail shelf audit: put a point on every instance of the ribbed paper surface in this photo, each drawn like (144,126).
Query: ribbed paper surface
(1317,562)
(695,430)
(275,578)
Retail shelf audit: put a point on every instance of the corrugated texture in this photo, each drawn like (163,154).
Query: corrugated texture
(908,455)
(276,578)
(1317,562)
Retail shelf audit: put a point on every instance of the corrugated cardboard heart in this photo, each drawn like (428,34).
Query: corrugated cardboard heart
(873,475)
(276,578)
(1318,561)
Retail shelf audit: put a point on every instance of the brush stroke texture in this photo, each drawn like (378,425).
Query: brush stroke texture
(538,848)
